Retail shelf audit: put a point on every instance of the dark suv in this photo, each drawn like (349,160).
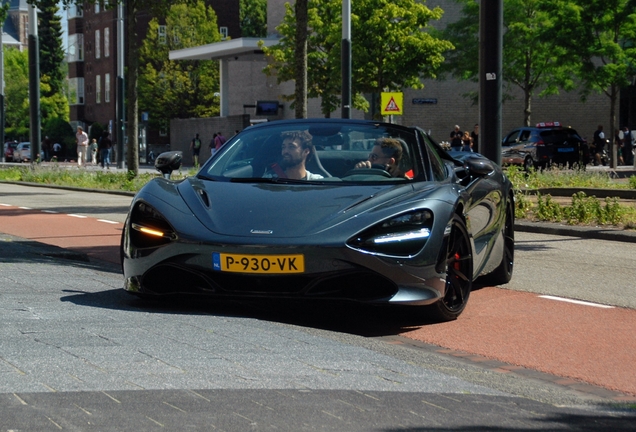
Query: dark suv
(544,145)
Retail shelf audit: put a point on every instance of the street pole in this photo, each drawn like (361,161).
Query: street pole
(346,59)
(121,111)
(34,83)
(490,78)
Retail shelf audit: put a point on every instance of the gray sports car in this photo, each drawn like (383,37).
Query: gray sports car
(324,209)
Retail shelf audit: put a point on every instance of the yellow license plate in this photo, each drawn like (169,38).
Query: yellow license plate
(269,264)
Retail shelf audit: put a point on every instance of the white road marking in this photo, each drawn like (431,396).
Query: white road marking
(77,216)
(49,211)
(25,208)
(6,205)
(107,221)
(579,302)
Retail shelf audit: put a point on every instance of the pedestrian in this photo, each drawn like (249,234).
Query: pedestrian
(212,145)
(57,149)
(46,149)
(475,136)
(219,141)
(195,148)
(598,145)
(456,139)
(105,144)
(82,145)
(467,142)
(93,149)
(618,143)
(628,146)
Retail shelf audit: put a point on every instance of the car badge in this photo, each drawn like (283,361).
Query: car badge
(255,231)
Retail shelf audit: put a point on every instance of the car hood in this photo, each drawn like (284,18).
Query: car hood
(284,210)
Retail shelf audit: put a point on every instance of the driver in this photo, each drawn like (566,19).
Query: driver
(295,151)
(387,155)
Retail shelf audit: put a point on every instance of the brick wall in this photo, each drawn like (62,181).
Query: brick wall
(182,132)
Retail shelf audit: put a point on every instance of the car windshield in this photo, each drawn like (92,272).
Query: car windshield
(317,152)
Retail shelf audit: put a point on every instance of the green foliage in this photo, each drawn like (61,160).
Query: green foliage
(632,182)
(96,131)
(534,60)
(253,17)
(601,34)
(397,48)
(59,131)
(16,76)
(51,51)
(179,89)
(547,209)
(61,176)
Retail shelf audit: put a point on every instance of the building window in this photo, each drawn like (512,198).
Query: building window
(161,34)
(76,91)
(224,32)
(97,7)
(107,42)
(98,44)
(75,47)
(107,88)
(163,128)
(75,11)
(98,89)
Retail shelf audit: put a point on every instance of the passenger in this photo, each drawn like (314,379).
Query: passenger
(296,149)
(387,154)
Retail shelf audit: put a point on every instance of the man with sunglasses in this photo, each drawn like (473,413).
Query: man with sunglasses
(387,155)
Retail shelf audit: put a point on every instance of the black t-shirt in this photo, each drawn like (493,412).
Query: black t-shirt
(456,138)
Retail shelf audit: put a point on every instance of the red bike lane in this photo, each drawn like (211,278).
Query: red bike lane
(576,341)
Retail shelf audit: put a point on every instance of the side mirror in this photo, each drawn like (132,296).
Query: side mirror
(479,166)
(168,161)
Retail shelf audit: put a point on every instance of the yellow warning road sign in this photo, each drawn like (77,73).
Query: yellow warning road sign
(391,103)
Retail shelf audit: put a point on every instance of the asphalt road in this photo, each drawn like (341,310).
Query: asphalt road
(77,353)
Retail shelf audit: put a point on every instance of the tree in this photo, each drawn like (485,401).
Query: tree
(16,76)
(533,60)
(51,51)
(396,48)
(253,17)
(602,33)
(179,89)
(392,48)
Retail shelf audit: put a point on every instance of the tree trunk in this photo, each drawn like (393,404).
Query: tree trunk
(527,110)
(132,103)
(612,129)
(301,59)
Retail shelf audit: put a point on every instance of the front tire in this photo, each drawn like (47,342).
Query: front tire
(459,274)
(503,273)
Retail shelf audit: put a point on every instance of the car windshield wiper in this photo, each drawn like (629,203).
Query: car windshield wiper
(205,177)
(255,179)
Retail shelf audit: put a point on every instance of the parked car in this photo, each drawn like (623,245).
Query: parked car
(9,147)
(544,145)
(22,152)
(381,215)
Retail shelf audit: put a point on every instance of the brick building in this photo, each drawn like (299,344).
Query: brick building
(92,60)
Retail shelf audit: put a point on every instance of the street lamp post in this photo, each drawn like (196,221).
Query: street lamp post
(34,83)
(121,112)
(346,59)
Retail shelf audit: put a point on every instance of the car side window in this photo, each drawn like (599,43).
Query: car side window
(512,138)
(524,136)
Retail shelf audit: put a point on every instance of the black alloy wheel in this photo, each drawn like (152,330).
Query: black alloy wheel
(459,274)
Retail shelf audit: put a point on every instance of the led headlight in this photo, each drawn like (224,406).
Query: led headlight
(402,235)
(149,227)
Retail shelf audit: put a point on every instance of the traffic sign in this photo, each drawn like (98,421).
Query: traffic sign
(391,103)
